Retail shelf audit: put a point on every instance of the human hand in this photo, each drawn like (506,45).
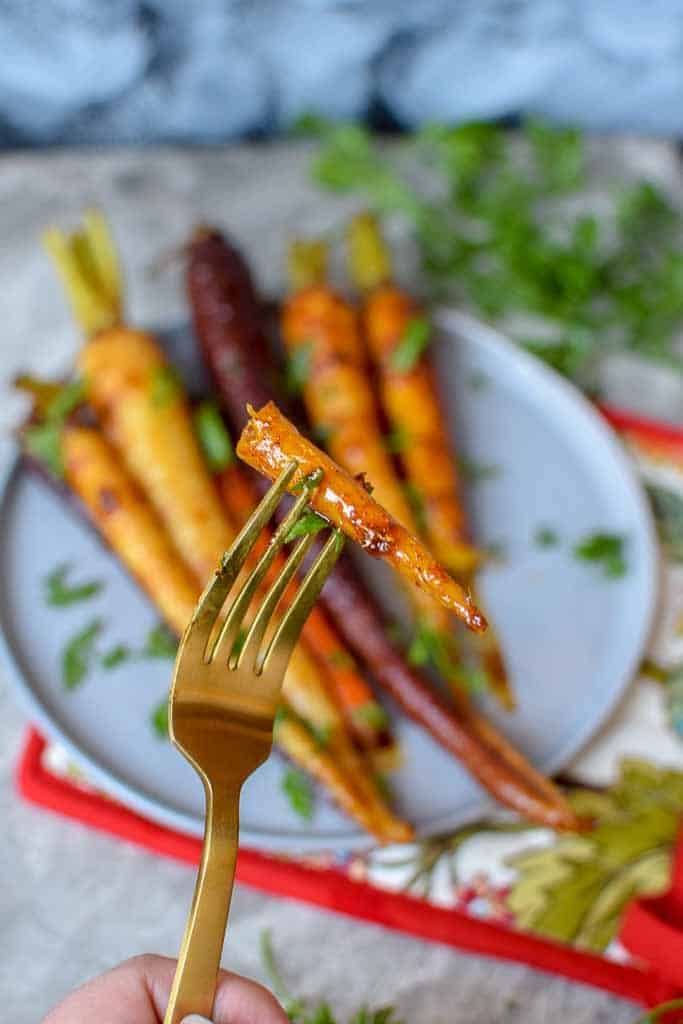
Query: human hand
(136,992)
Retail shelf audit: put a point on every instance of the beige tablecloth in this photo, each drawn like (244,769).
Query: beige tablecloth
(73,903)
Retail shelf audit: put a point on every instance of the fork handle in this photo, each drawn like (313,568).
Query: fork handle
(194,984)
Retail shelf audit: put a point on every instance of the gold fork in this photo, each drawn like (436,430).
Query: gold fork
(226,687)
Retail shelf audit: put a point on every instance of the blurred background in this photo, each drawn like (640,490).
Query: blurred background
(89,71)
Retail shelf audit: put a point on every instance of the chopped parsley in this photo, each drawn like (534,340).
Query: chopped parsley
(59,593)
(397,441)
(416,501)
(492,236)
(311,480)
(43,440)
(373,714)
(158,719)
(298,368)
(78,655)
(411,345)
(310,523)
(298,790)
(160,643)
(475,471)
(605,550)
(213,436)
(546,537)
(115,656)
(164,386)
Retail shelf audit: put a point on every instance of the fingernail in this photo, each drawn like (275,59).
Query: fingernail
(194,1018)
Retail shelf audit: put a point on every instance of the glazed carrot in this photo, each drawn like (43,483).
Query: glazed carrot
(269,442)
(319,323)
(229,325)
(128,523)
(365,716)
(396,331)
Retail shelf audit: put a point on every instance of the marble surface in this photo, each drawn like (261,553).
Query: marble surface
(72,902)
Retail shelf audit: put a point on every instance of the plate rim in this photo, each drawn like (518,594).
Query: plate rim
(454,321)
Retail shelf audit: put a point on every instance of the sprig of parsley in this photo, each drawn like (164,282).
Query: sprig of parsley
(213,437)
(299,1012)
(309,523)
(60,594)
(43,440)
(78,655)
(411,345)
(606,550)
(299,792)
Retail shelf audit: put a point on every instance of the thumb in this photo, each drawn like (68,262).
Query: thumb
(242,1001)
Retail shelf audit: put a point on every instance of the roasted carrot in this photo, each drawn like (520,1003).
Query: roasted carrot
(337,392)
(230,330)
(269,442)
(128,523)
(397,331)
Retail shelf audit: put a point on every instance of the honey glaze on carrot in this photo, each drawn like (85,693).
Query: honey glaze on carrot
(269,442)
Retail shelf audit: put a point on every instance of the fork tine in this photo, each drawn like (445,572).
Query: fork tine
(275,659)
(230,629)
(257,629)
(196,637)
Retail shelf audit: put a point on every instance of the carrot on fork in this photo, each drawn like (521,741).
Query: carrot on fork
(269,442)
(397,334)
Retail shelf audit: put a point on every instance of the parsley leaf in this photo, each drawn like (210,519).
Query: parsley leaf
(297,788)
(310,522)
(415,499)
(411,345)
(546,537)
(373,714)
(59,593)
(213,436)
(160,643)
(298,368)
(606,550)
(475,471)
(115,656)
(158,719)
(43,440)
(397,441)
(164,386)
(78,654)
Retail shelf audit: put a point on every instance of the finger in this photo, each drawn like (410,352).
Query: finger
(242,1001)
(132,991)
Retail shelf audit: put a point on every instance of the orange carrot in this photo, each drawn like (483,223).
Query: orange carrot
(397,333)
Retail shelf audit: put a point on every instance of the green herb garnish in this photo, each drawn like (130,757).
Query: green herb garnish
(411,345)
(160,643)
(397,441)
(372,714)
(158,719)
(310,522)
(213,436)
(43,440)
(311,480)
(546,537)
(116,656)
(78,654)
(492,237)
(299,793)
(475,471)
(298,368)
(605,550)
(59,593)
(416,501)
(299,1012)
(165,386)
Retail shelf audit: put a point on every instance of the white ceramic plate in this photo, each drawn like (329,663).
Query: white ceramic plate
(573,638)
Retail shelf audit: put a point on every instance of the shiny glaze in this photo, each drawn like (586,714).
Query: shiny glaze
(269,442)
